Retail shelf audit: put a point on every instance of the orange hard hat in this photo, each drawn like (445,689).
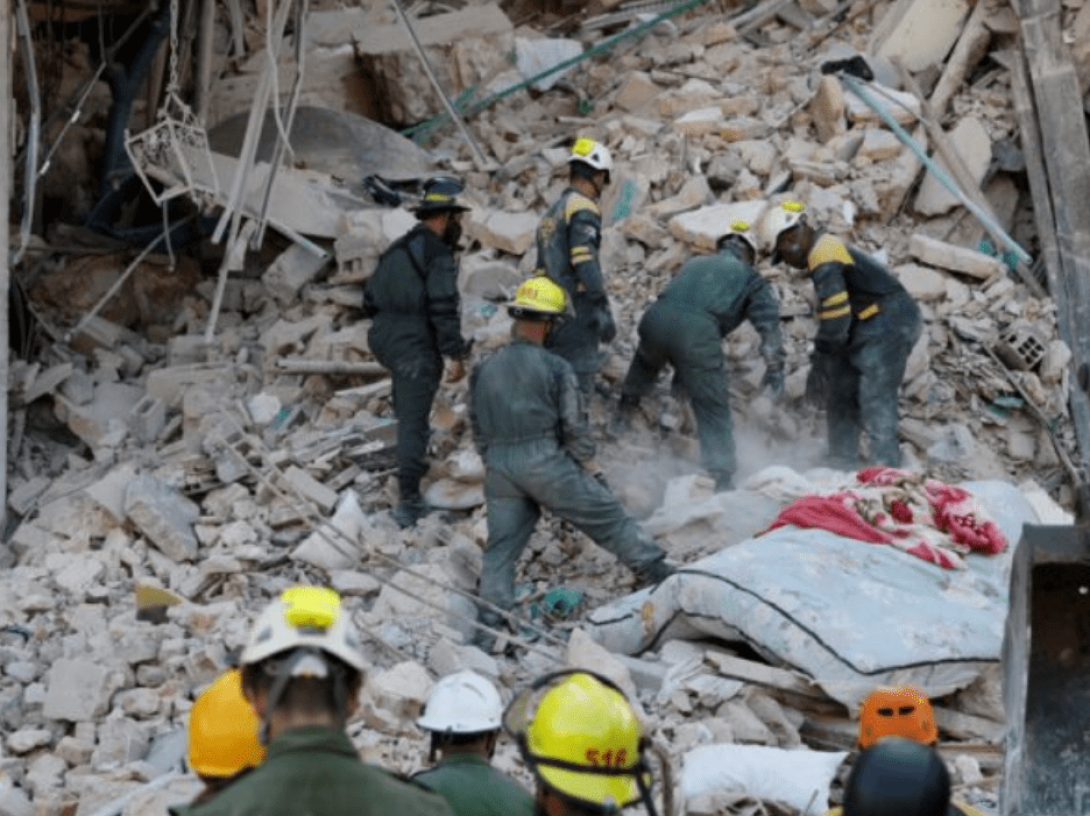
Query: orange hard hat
(223,730)
(898,711)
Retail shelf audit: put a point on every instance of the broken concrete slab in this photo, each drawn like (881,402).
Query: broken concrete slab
(76,690)
(957,259)
(293,269)
(511,232)
(920,33)
(973,144)
(163,515)
(702,228)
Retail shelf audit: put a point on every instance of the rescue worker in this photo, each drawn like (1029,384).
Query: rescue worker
(222,744)
(531,429)
(905,713)
(868,325)
(581,739)
(413,302)
(464,715)
(707,300)
(301,672)
(569,238)
(898,777)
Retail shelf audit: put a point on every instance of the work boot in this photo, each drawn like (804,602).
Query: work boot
(654,573)
(621,421)
(724,481)
(410,510)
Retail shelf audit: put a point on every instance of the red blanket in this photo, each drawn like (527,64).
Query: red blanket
(932,520)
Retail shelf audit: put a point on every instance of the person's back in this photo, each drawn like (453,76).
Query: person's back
(301,673)
(316,771)
(472,787)
(463,715)
(897,777)
(520,396)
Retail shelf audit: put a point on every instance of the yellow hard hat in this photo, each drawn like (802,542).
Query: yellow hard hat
(779,219)
(897,711)
(539,297)
(223,728)
(582,721)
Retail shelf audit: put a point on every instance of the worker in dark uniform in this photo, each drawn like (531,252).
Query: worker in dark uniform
(413,302)
(868,325)
(898,777)
(530,427)
(707,300)
(569,238)
(301,672)
(464,715)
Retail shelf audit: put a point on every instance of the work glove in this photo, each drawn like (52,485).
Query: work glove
(607,328)
(817,381)
(773,382)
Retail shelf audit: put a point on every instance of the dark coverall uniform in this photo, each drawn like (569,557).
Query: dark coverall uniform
(708,299)
(413,301)
(532,432)
(868,325)
(317,771)
(472,787)
(568,242)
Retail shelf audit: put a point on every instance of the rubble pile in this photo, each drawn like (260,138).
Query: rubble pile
(181,452)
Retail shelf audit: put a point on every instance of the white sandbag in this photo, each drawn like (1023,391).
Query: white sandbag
(799,779)
(849,614)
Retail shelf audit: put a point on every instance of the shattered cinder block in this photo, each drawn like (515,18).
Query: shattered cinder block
(293,269)
(76,690)
(148,418)
(506,231)
(393,699)
(163,515)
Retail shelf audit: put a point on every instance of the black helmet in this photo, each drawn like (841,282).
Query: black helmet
(441,194)
(898,777)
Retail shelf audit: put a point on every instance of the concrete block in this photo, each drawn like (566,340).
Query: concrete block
(13,802)
(293,269)
(163,515)
(394,698)
(109,491)
(76,690)
(955,258)
(506,231)
(703,227)
(827,109)
(637,92)
(25,494)
(694,193)
(919,33)
(922,282)
(878,145)
(26,740)
(970,140)
(310,488)
(148,418)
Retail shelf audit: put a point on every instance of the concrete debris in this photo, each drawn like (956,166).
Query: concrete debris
(210,472)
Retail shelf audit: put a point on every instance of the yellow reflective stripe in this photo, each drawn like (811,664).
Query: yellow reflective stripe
(577,203)
(581,254)
(869,312)
(828,248)
(835,300)
(833,314)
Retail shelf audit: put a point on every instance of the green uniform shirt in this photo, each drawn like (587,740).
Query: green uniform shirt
(474,788)
(316,771)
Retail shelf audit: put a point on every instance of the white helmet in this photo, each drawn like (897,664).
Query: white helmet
(744,230)
(592,153)
(779,219)
(462,703)
(304,616)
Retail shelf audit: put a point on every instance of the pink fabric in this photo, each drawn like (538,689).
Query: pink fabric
(932,520)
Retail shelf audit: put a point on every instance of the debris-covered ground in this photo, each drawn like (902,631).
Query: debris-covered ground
(195,428)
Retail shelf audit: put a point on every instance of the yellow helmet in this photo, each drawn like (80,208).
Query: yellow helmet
(582,722)
(898,711)
(780,219)
(538,298)
(222,731)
